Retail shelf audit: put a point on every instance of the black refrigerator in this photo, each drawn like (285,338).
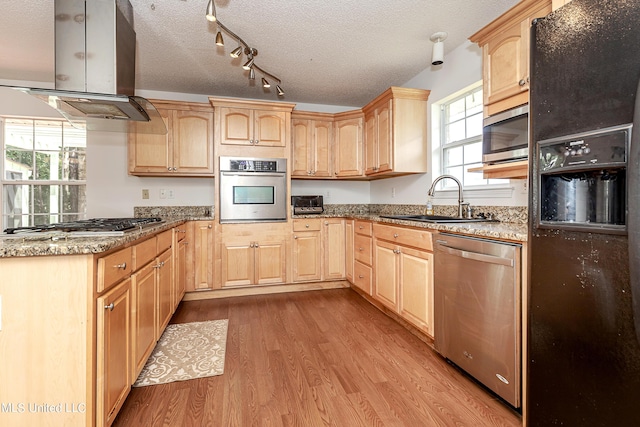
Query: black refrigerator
(583,357)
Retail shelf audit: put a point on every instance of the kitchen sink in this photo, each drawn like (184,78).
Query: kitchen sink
(437,218)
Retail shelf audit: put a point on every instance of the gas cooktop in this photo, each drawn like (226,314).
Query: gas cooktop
(90,227)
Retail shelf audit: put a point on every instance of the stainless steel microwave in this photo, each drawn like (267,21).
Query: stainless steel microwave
(505,136)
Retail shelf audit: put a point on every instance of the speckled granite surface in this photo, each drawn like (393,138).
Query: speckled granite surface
(512,226)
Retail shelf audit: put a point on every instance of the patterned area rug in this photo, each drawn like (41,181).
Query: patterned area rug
(186,351)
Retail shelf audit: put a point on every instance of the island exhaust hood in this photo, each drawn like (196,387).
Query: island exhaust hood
(95,48)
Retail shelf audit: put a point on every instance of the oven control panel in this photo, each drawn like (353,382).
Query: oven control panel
(246,164)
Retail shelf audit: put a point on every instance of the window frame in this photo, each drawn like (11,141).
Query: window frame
(32,217)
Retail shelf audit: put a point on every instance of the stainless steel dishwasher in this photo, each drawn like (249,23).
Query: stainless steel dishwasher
(478,310)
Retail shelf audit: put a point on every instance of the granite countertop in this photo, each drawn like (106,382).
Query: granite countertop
(495,230)
(55,243)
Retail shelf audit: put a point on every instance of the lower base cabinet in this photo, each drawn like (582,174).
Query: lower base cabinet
(403,271)
(113,351)
(199,258)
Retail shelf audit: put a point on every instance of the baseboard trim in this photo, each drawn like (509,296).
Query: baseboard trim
(263,290)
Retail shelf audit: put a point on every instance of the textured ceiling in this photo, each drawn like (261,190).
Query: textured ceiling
(340,52)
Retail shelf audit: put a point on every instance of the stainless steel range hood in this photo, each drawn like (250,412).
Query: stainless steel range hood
(95,68)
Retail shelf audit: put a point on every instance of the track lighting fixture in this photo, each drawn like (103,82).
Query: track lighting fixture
(247,65)
(243,47)
(219,39)
(235,53)
(437,56)
(211,11)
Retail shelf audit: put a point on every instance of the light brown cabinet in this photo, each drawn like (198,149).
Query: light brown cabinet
(243,126)
(181,246)
(348,245)
(164,301)
(363,256)
(395,136)
(505,55)
(199,257)
(185,150)
(403,273)
(307,250)
(312,141)
(348,145)
(113,325)
(143,337)
(333,246)
(251,254)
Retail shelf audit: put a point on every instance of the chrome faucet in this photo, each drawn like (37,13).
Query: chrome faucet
(460,201)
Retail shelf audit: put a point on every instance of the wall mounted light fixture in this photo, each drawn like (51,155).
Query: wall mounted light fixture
(437,56)
(243,48)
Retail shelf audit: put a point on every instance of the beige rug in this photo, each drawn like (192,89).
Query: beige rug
(186,351)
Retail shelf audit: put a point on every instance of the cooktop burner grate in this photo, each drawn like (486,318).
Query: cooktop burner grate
(96,225)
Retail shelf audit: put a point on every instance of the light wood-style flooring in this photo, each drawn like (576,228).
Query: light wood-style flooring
(319,358)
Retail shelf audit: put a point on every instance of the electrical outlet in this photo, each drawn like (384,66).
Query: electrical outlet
(163,194)
(393,192)
(328,194)
(524,185)
(170,194)
(145,194)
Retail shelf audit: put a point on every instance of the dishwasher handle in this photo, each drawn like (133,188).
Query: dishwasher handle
(476,256)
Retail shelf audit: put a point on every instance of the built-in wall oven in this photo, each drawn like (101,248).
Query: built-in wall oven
(253,189)
(505,136)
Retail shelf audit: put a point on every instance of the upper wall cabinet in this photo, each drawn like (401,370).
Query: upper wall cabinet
(395,134)
(243,123)
(185,150)
(348,145)
(312,141)
(505,55)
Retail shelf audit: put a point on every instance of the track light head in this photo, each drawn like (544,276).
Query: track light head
(235,53)
(252,74)
(219,39)
(280,91)
(265,83)
(437,56)
(248,64)
(211,11)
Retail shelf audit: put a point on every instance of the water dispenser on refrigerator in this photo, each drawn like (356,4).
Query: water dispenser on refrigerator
(582,181)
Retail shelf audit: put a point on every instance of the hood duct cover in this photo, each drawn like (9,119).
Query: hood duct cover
(95,68)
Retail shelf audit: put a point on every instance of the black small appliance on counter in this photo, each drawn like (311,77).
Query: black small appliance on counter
(307,205)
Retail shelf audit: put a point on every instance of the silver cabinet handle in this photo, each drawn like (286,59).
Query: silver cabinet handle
(257,246)
(395,235)
(295,237)
(122,266)
(252,245)
(109,307)
(361,249)
(522,82)
(209,226)
(306,225)
(326,223)
(360,276)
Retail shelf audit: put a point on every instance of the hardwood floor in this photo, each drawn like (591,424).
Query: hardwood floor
(318,358)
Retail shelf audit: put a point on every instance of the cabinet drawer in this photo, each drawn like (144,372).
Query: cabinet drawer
(164,241)
(306,224)
(404,236)
(181,232)
(113,268)
(143,253)
(363,248)
(362,277)
(363,227)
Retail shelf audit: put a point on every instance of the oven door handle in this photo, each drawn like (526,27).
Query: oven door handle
(253,174)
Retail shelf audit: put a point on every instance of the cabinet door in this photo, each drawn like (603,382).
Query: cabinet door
(370,148)
(203,254)
(270,262)
(384,140)
(348,148)
(113,350)
(193,142)
(164,294)
(322,135)
(307,258)
(238,263)
(270,128)
(334,249)
(416,288)
(143,285)
(386,274)
(150,153)
(301,151)
(180,280)
(236,126)
(349,249)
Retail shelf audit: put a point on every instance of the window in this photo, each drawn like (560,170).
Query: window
(43,172)
(461,139)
